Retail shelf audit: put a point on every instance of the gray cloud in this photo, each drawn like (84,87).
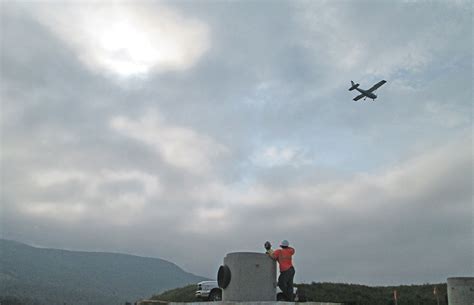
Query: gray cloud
(257,139)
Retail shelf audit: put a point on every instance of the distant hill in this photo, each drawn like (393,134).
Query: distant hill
(350,294)
(54,277)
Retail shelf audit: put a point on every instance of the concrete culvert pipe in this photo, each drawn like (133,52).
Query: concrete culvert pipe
(247,276)
(461,290)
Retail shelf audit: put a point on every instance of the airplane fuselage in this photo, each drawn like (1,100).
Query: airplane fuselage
(367,93)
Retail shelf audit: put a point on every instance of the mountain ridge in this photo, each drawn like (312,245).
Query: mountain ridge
(56,276)
(80,251)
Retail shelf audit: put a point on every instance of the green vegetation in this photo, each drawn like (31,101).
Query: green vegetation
(349,294)
(184,294)
(361,294)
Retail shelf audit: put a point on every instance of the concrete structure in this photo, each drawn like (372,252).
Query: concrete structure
(252,303)
(461,291)
(248,276)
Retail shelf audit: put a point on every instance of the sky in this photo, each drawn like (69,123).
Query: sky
(187,130)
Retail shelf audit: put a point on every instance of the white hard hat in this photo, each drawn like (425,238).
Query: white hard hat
(284,243)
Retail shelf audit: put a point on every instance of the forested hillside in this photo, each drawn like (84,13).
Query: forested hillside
(50,276)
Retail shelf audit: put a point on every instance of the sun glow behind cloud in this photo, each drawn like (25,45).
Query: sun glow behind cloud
(128,40)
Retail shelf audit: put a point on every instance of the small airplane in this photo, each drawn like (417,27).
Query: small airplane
(366,93)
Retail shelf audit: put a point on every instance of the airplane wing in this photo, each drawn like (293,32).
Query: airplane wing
(376,86)
(358,97)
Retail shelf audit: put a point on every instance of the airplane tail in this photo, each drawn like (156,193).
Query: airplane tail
(353,86)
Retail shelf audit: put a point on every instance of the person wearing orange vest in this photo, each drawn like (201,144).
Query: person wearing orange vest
(287,271)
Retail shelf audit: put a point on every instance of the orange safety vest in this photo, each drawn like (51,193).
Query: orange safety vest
(283,256)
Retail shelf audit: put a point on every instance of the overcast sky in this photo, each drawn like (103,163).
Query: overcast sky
(186,130)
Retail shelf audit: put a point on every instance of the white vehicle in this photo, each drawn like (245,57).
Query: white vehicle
(210,290)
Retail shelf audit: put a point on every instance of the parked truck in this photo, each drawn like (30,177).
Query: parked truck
(208,291)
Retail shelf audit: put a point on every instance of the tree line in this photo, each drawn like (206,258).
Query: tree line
(350,294)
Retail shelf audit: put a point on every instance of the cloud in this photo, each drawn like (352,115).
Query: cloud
(397,37)
(249,134)
(53,178)
(58,212)
(339,223)
(117,193)
(386,218)
(127,40)
(179,146)
(274,156)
